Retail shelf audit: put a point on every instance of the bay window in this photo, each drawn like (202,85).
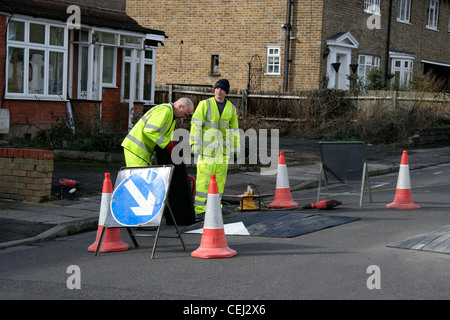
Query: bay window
(36,60)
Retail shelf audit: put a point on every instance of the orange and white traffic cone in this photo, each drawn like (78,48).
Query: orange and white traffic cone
(403,196)
(213,243)
(283,197)
(111,239)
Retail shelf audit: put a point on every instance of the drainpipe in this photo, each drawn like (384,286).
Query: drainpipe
(388,44)
(288,41)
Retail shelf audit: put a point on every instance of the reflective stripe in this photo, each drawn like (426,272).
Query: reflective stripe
(212,125)
(137,142)
(194,138)
(208,116)
(212,145)
(151,126)
(199,202)
(164,127)
(144,118)
(224,124)
(201,194)
(208,112)
(196,121)
(161,139)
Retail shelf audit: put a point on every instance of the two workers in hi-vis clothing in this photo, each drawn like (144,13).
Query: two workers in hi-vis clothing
(214,138)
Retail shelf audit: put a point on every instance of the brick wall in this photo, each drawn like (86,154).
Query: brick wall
(235,30)
(414,37)
(26,174)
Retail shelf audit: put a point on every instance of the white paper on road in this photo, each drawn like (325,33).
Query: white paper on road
(237,228)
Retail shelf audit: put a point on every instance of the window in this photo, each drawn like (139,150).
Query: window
(402,70)
(89,81)
(149,75)
(214,64)
(365,65)
(97,62)
(36,61)
(372,6)
(433,14)
(108,41)
(404,11)
(141,63)
(109,66)
(273,60)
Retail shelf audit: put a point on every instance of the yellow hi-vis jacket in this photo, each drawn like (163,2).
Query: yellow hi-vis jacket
(212,134)
(154,128)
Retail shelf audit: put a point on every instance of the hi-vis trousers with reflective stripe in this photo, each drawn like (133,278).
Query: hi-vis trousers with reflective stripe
(132,160)
(204,172)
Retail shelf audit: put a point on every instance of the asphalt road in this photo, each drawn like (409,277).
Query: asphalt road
(349,261)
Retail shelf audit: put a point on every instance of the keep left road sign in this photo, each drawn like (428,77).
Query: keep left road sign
(139,197)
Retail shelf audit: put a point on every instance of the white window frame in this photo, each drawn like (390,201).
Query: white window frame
(149,62)
(372,6)
(47,48)
(433,15)
(273,61)
(94,69)
(137,61)
(370,62)
(96,64)
(405,70)
(404,11)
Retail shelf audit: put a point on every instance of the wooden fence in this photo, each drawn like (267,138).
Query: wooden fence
(290,107)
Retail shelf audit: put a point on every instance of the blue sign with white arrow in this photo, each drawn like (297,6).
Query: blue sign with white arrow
(139,198)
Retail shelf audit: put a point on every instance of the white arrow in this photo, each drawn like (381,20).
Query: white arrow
(145,205)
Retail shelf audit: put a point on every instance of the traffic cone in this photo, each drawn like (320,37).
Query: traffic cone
(283,197)
(323,204)
(403,196)
(213,243)
(111,239)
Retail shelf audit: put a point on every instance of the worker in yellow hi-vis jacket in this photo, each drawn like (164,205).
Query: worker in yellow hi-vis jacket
(153,130)
(214,138)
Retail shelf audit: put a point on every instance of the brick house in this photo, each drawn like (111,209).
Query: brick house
(279,45)
(73,60)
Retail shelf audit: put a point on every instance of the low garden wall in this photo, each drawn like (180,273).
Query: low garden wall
(26,174)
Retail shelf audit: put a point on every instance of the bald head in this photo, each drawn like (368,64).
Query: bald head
(183,108)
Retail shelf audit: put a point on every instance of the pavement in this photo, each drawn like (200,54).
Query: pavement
(23,223)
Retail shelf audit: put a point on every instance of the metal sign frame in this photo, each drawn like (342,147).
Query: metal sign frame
(110,223)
